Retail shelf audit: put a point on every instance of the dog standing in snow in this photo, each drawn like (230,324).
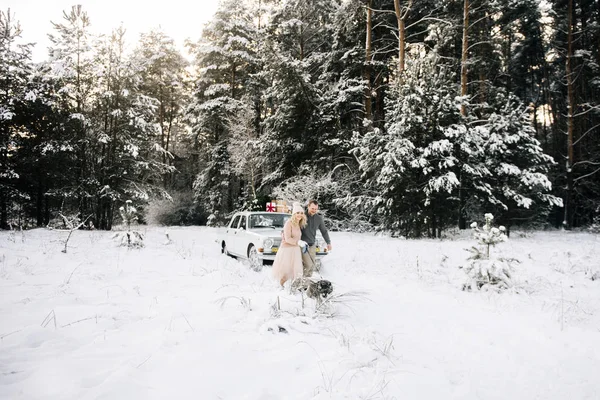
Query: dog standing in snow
(317,289)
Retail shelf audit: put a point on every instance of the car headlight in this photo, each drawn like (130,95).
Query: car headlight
(268,243)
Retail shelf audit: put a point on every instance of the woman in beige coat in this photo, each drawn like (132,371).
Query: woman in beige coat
(288,261)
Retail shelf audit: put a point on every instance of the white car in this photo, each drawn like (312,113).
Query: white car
(256,236)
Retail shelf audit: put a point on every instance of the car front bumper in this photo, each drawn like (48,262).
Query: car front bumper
(267,256)
(270,256)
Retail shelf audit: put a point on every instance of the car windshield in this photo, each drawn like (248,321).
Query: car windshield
(268,220)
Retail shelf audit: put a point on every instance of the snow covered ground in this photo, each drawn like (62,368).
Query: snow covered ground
(182,321)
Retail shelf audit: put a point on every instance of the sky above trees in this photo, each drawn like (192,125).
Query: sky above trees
(179,18)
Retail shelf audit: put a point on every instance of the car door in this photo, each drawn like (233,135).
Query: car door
(243,237)
(231,234)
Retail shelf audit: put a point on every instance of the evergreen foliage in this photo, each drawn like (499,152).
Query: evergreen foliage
(286,102)
(15,69)
(484,271)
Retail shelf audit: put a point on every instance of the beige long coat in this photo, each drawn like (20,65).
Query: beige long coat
(288,261)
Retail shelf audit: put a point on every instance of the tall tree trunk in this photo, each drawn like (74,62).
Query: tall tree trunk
(80,106)
(301,44)
(568,220)
(170,126)
(259,14)
(46,210)
(161,122)
(105,166)
(400,19)
(582,86)
(39,201)
(3,209)
(433,229)
(169,176)
(367,68)
(3,191)
(598,38)
(110,215)
(463,62)
(462,222)
(484,50)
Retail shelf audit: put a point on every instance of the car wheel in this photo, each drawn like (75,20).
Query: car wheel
(255,261)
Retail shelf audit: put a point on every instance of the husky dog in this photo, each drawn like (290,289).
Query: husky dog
(315,289)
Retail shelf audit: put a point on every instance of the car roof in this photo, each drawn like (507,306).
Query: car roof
(261,212)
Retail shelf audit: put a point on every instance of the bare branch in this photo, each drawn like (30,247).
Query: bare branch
(584,134)
(478,43)
(586,162)
(381,11)
(429,19)
(586,175)
(594,108)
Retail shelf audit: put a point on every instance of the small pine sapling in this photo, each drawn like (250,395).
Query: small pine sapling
(129,238)
(128,214)
(483,271)
(488,236)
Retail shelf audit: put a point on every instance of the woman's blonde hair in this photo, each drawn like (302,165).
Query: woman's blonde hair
(301,223)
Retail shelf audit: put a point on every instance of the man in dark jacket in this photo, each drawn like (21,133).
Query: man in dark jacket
(309,235)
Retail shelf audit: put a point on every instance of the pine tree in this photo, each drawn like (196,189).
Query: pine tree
(163,76)
(573,103)
(71,64)
(45,161)
(225,57)
(503,165)
(123,132)
(298,45)
(134,151)
(15,71)
(339,82)
(485,272)
(410,169)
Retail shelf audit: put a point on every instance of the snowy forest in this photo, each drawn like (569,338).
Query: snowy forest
(408,116)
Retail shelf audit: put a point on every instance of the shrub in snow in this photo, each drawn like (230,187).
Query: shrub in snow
(212,220)
(62,221)
(485,272)
(333,191)
(180,209)
(72,224)
(129,238)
